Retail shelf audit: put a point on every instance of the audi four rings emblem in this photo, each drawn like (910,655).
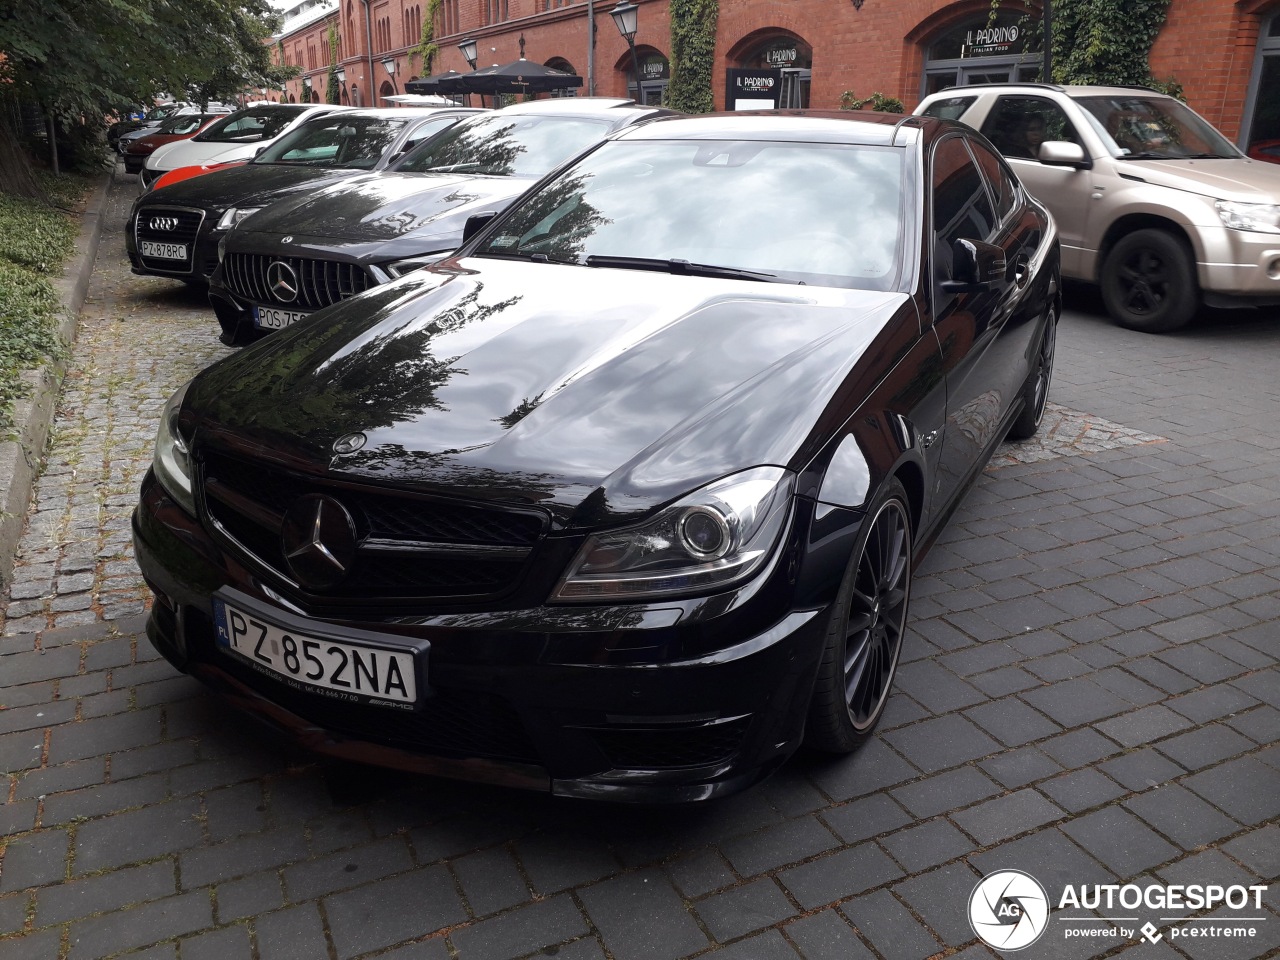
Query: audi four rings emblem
(282,282)
(164,223)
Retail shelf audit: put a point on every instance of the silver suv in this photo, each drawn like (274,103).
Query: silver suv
(1153,203)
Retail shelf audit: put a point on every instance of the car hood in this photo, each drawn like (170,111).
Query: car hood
(390,206)
(187,153)
(1225,179)
(246,185)
(597,393)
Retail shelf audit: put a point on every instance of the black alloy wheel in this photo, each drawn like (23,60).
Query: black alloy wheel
(1149,282)
(1035,392)
(864,638)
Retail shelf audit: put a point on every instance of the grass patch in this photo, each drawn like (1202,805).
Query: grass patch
(35,241)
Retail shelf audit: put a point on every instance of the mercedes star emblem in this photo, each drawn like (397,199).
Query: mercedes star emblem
(319,541)
(349,443)
(164,223)
(282,282)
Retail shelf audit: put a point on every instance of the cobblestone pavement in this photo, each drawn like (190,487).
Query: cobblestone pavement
(1089,695)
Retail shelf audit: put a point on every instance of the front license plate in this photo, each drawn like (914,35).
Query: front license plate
(339,669)
(269,318)
(164,251)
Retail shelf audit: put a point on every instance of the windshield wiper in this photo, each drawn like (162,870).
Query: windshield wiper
(531,257)
(684,268)
(453,167)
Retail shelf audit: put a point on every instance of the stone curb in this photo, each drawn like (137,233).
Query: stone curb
(32,416)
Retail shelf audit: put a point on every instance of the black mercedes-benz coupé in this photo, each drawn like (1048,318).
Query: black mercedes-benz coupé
(622,500)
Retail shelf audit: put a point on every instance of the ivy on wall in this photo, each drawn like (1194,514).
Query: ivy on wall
(1105,41)
(331,92)
(1102,42)
(693,51)
(427,47)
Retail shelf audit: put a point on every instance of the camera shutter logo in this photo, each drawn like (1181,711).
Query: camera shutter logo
(1009,910)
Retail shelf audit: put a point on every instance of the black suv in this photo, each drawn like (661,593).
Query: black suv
(316,249)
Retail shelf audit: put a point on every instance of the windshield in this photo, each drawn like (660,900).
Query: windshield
(186,123)
(348,141)
(1154,128)
(511,146)
(159,113)
(249,126)
(800,212)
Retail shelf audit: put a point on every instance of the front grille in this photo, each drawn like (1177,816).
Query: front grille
(320,283)
(180,225)
(666,748)
(411,547)
(457,723)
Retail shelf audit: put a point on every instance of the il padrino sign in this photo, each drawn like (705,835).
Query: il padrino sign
(753,89)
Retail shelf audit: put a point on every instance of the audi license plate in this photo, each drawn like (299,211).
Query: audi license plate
(163,251)
(269,318)
(355,672)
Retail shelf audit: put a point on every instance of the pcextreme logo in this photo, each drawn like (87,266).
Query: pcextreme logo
(1009,910)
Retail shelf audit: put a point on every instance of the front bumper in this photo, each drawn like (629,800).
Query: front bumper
(1240,265)
(678,701)
(203,242)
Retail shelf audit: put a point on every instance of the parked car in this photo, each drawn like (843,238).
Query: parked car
(151,120)
(174,231)
(238,136)
(622,500)
(137,146)
(1154,204)
(349,236)
(178,174)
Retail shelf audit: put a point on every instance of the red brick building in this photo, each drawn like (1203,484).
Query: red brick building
(1226,54)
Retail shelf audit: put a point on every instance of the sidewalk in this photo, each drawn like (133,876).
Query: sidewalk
(1089,695)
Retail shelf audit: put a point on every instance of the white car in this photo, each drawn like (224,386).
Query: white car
(238,136)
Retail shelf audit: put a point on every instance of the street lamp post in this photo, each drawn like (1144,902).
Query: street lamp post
(341,76)
(626,17)
(471,53)
(389,65)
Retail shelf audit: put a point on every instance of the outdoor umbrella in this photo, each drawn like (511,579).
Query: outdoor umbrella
(519,76)
(441,83)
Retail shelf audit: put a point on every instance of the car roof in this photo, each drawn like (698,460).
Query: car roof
(568,104)
(1071,90)
(406,113)
(801,126)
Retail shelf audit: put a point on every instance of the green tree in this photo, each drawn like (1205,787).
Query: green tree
(80,60)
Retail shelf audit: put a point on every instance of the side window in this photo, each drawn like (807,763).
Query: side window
(427,130)
(961,207)
(1016,126)
(948,108)
(1004,188)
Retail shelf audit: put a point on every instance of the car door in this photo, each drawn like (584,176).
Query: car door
(1066,191)
(979,343)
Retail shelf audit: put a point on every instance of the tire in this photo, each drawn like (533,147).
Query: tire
(1149,282)
(866,629)
(1035,392)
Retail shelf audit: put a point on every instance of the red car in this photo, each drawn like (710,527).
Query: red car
(1268,150)
(181,127)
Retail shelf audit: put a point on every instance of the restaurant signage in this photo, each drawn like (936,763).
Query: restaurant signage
(753,89)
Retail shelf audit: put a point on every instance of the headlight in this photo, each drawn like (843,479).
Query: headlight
(714,537)
(222,249)
(1257,217)
(234,215)
(172,459)
(401,267)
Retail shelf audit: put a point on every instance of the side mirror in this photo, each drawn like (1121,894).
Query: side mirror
(1063,153)
(476,223)
(975,266)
